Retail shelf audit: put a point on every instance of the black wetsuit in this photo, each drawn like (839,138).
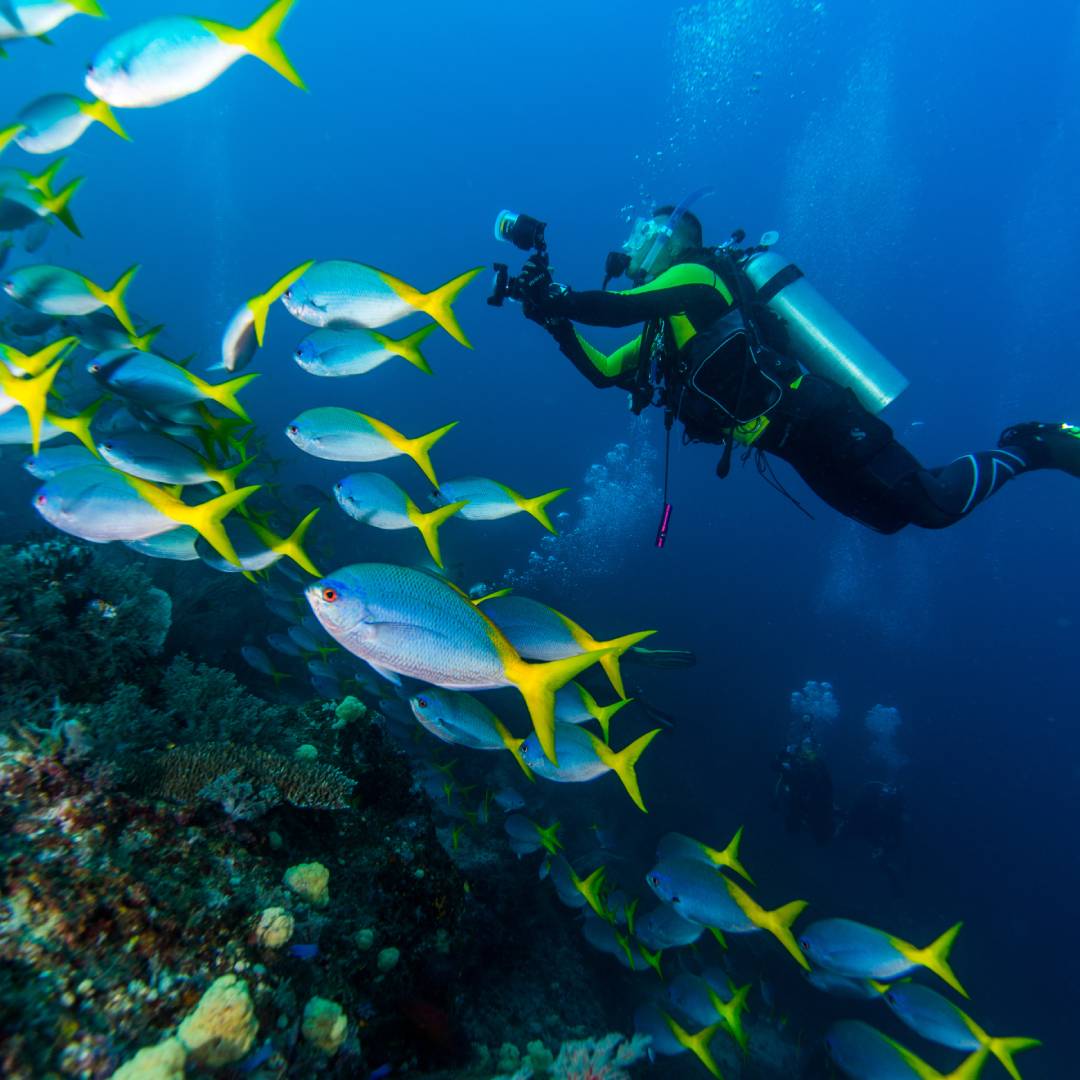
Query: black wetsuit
(691,342)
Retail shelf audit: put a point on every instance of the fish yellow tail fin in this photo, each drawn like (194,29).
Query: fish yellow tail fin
(419,449)
(260,39)
(592,889)
(537,684)
(31,393)
(513,744)
(429,523)
(79,425)
(58,205)
(292,546)
(99,111)
(935,957)
(549,837)
(10,133)
(778,922)
(698,1044)
(616,647)
(142,342)
(968,1069)
(437,304)
(408,347)
(113,298)
(729,857)
(731,1011)
(653,959)
(43,181)
(206,518)
(603,713)
(260,305)
(536,506)
(225,393)
(88,7)
(36,363)
(1003,1050)
(622,762)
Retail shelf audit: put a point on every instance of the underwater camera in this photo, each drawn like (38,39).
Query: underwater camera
(525,233)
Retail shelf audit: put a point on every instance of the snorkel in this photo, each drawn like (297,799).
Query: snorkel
(652,236)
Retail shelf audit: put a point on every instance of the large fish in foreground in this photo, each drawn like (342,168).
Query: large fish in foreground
(409,623)
(356,351)
(340,293)
(169,58)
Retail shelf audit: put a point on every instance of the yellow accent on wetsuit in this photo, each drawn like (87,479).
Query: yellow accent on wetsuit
(750,432)
(626,357)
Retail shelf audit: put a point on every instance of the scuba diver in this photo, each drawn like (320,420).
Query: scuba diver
(740,347)
(807,789)
(877,818)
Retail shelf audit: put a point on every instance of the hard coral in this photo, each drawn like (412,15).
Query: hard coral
(325,1025)
(215,771)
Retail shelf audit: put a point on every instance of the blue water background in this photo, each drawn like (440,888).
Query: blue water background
(921,164)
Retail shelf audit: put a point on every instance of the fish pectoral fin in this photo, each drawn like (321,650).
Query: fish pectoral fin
(386,673)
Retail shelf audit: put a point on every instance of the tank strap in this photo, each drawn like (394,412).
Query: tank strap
(778,282)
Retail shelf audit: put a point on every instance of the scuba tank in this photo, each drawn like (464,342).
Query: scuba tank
(819,337)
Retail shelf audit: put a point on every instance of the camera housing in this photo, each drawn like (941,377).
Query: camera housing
(527,234)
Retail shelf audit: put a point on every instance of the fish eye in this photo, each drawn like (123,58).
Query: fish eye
(422,702)
(95,368)
(329,594)
(293,429)
(654,879)
(41,500)
(804,943)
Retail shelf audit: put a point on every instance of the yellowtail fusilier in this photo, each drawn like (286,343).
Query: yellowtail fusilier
(38,17)
(156,383)
(164,460)
(702,895)
(670,1038)
(575,705)
(55,290)
(31,393)
(22,208)
(526,836)
(20,363)
(8,135)
(678,846)
(56,121)
(457,717)
(850,948)
(177,545)
(339,293)
(582,757)
(357,351)
(539,632)
(408,622)
(374,499)
(575,891)
(54,460)
(863,1053)
(99,504)
(665,928)
(246,329)
(703,1003)
(257,548)
(489,500)
(936,1018)
(15,427)
(170,58)
(344,435)
(23,180)
(257,659)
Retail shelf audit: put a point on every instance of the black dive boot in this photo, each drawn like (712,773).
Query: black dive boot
(1045,446)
